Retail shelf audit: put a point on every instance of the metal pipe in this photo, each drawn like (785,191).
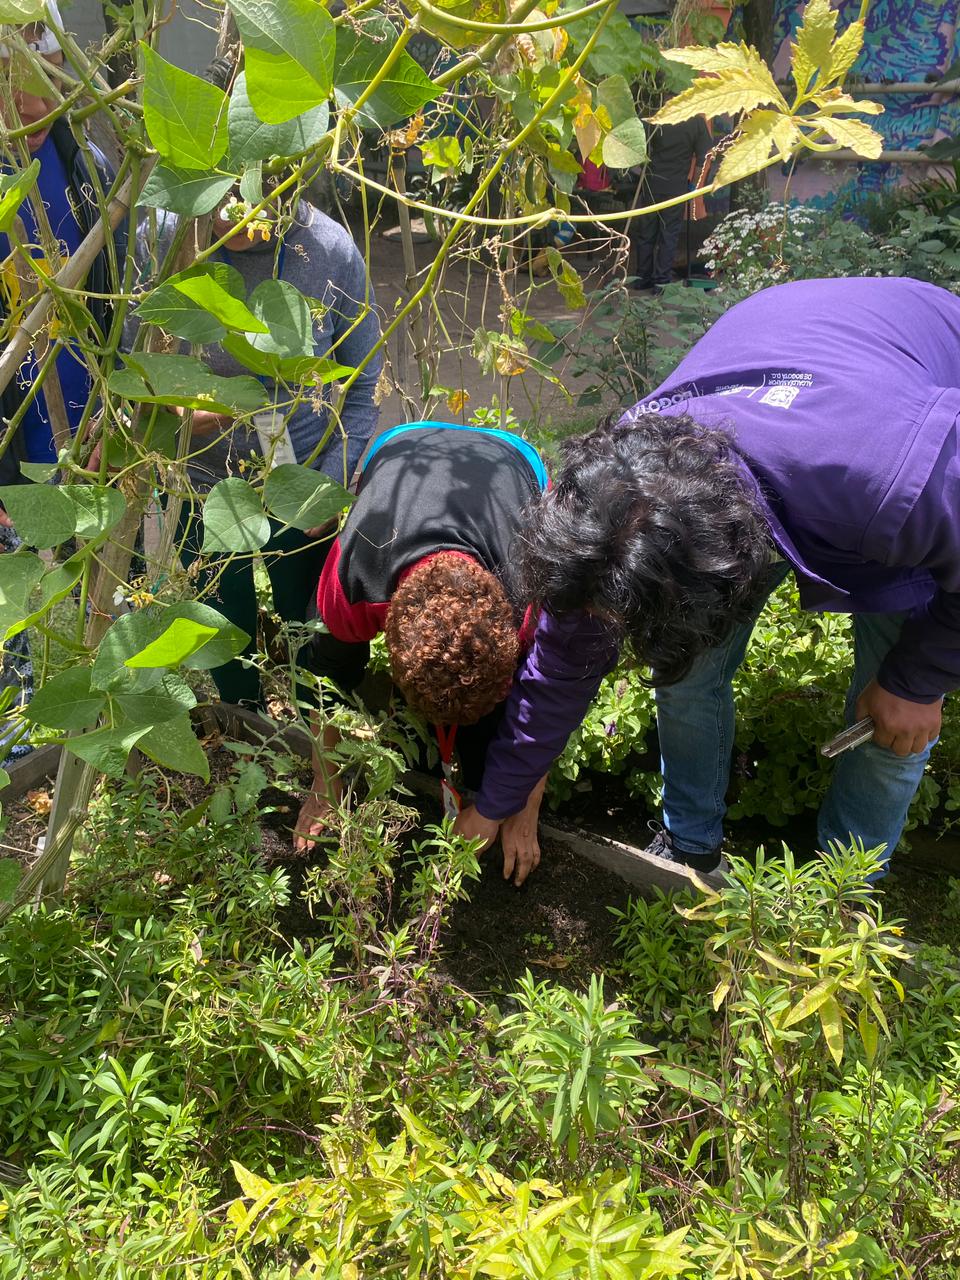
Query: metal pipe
(847,156)
(928,88)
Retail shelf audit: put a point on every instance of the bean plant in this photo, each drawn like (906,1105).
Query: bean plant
(296,90)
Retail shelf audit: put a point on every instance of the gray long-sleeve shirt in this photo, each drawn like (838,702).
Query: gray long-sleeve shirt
(322,261)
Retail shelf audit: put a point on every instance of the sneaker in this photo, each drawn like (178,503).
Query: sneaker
(662,846)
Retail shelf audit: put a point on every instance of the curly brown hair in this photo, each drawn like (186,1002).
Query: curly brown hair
(452,639)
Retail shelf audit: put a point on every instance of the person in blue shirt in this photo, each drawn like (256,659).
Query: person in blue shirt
(64,188)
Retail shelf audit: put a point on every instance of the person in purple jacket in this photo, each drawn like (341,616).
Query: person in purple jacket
(814,429)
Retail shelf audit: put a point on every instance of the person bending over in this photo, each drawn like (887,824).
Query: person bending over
(422,557)
(813,431)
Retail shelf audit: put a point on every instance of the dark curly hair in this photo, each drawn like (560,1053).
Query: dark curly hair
(652,525)
(452,639)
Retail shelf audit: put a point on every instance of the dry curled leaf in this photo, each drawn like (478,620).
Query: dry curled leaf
(40,802)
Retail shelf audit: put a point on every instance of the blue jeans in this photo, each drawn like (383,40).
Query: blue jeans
(871,788)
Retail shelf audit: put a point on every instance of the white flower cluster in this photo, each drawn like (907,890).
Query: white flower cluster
(754,246)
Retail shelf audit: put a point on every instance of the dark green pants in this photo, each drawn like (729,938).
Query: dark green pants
(293,562)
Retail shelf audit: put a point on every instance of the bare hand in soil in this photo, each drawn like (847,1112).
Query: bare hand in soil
(315,820)
(521,848)
(5,520)
(906,728)
(474,826)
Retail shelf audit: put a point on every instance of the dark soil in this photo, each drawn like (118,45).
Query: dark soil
(560,923)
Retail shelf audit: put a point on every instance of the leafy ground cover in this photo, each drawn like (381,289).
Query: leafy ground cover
(385,1062)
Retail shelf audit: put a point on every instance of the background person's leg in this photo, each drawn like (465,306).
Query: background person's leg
(235,596)
(695,722)
(644,234)
(671,224)
(872,788)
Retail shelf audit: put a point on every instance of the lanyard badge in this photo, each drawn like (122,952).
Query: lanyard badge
(274,435)
(452,804)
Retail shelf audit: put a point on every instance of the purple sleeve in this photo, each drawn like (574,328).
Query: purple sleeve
(551,692)
(924,664)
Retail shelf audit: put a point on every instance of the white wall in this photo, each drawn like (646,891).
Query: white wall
(189,39)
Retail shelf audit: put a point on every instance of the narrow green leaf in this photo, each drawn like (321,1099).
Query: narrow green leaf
(14,189)
(831,1020)
(205,286)
(180,641)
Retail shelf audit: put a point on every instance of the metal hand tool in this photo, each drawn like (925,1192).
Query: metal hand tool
(858,733)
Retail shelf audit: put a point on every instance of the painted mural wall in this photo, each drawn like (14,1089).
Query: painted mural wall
(906,40)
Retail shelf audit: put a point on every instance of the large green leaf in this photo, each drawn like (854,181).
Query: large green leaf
(133,632)
(171,697)
(19,574)
(174,745)
(186,381)
(186,117)
(106,749)
(285,313)
(185,191)
(180,641)
(302,497)
(360,55)
(233,518)
(66,701)
(41,514)
(288,54)
(207,286)
(226,644)
(251,139)
(626,143)
(21,12)
(175,313)
(313,371)
(14,189)
(129,635)
(98,508)
(55,585)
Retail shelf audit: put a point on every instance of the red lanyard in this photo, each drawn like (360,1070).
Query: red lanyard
(446,737)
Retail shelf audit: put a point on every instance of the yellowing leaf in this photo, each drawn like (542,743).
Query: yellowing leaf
(846,50)
(761,131)
(814,42)
(831,1020)
(720,992)
(833,102)
(251,1184)
(869,1034)
(856,135)
(811,1002)
(457,399)
(710,96)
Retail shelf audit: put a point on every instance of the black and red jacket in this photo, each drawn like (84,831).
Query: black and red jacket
(426,488)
